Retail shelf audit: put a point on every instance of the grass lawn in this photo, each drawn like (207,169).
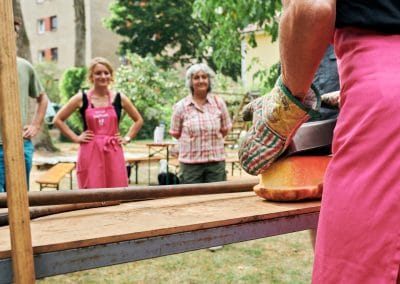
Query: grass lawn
(280,259)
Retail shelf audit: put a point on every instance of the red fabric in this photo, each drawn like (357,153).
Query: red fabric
(358,238)
(101,162)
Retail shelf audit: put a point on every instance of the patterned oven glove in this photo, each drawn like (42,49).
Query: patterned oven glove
(276,118)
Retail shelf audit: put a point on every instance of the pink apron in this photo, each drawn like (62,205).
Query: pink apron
(358,239)
(101,162)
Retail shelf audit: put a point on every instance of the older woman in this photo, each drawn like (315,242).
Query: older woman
(200,122)
(101,161)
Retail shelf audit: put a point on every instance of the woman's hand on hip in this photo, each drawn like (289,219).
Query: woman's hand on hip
(121,141)
(85,137)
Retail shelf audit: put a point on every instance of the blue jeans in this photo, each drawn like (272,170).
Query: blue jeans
(28,155)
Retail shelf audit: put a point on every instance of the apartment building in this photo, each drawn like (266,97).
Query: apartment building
(50,26)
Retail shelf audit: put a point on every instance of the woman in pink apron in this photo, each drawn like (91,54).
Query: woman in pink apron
(101,161)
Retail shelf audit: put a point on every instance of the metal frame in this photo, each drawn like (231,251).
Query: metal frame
(71,260)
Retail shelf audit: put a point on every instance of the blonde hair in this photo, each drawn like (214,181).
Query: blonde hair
(102,61)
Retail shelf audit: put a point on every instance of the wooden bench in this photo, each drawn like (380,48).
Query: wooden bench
(53,176)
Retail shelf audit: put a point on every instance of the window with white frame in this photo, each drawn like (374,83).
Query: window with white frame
(41,26)
(41,55)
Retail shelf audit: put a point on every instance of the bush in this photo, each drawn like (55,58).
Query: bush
(49,75)
(152,90)
(72,81)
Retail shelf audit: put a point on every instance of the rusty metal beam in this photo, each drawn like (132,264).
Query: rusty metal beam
(60,262)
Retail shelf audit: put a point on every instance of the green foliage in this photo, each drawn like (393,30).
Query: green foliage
(268,77)
(49,74)
(152,90)
(187,30)
(72,81)
(228,19)
(164,29)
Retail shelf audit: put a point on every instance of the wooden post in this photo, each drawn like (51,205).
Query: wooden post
(10,118)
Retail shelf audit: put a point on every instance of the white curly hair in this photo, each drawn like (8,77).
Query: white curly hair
(196,68)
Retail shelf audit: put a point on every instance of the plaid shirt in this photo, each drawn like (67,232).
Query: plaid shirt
(199,129)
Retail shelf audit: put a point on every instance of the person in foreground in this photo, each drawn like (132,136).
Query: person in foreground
(29,87)
(358,237)
(200,122)
(101,162)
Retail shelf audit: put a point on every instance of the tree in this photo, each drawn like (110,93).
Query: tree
(42,139)
(163,29)
(227,19)
(183,30)
(23,45)
(152,90)
(80,32)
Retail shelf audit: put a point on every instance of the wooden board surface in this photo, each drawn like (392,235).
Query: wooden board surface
(135,220)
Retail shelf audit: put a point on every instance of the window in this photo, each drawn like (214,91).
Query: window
(53,23)
(41,26)
(54,54)
(41,55)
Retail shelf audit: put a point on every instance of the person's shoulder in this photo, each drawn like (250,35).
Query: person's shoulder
(216,98)
(183,102)
(22,62)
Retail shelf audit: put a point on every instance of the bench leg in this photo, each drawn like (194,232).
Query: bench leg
(136,172)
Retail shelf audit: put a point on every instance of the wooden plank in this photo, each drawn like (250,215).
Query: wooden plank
(17,198)
(145,219)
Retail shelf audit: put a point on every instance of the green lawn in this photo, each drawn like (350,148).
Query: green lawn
(280,259)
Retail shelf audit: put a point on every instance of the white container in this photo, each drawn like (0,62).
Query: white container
(159,134)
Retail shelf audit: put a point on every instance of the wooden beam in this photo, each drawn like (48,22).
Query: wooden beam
(37,198)
(10,118)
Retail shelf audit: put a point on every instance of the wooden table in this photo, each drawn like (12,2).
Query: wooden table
(97,237)
(135,161)
(159,149)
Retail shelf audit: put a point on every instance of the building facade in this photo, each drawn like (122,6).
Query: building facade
(50,25)
(261,57)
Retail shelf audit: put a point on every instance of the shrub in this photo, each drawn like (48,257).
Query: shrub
(72,81)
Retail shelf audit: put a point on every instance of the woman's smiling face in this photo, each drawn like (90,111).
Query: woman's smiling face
(200,82)
(101,76)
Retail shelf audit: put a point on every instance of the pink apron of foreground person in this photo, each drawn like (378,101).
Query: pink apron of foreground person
(358,237)
(101,162)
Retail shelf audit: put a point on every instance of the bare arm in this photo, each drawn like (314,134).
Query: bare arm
(32,129)
(136,117)
(306,28)
(63,114)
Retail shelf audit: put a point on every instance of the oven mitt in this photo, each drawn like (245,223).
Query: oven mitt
(276,118)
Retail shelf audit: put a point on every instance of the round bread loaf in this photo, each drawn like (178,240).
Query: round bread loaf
(293,178)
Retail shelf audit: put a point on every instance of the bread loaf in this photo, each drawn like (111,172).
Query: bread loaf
(293,178)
